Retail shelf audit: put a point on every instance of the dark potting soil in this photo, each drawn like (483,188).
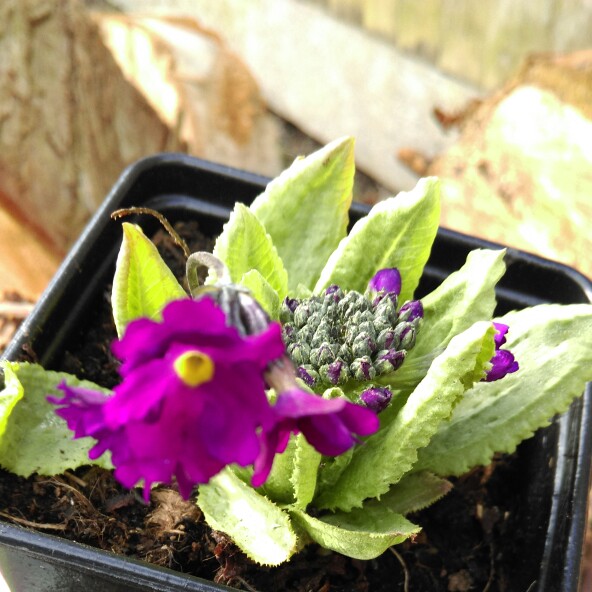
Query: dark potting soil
(468,541)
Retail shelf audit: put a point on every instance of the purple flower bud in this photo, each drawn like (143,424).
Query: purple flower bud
(389,361)
(291,303)
(500,334)
(376,398)
(335,292)
(307,375)
(362,369)
(336,373)
(405,335)
(384,282)
(411,310)
(503,361)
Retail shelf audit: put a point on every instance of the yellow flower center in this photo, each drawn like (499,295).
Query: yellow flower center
(194,368)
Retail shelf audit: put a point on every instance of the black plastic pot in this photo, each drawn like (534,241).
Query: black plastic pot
(555,464)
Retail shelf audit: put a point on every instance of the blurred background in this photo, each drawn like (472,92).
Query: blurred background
(494,97)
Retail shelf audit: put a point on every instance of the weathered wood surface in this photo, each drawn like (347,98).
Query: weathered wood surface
(198,86)
(481,41)
(330,79)
(69,121)
(521,173)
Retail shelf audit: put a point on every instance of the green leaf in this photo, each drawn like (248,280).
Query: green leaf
(305,210)
(35,439)
(278,486)
(464,297)
(361,534)
(143,284)
(304,475)
(553,346)
(245,245)
(259,527)
(331,469)
(398,232)
(261,291)
(389,454)
(412,493)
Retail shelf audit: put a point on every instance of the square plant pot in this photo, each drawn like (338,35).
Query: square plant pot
(550,471)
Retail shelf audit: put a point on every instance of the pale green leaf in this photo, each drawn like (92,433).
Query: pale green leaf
(259,527)
(464,297)
(414,492)
(304,475)
(35,439)
(553,346)
(389,454)
(305,210)
(358,534)
(245,245)
(398,232)
(278,486)
(143,284)
(261,291)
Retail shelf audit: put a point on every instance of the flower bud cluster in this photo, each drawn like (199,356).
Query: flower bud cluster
(347,335)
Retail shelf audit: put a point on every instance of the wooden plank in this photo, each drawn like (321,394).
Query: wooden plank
(330,79)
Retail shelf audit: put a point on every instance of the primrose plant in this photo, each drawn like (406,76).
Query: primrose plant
(303,392)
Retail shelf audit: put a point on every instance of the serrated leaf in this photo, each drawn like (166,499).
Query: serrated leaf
(413,492)
(464,297)
(331,469)
(261,291)
(305,470)
(358,534)
(259,527)
(389,454)
(245,245)
(278,486)
(305,210)
(398,232)
(35,439)
(143,283)
(553,346)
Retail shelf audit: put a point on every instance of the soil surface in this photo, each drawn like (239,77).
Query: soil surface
(468,540)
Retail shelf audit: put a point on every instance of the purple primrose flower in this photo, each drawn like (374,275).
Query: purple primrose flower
(192,400)
(503,361)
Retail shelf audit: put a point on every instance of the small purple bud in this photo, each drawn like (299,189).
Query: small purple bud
(291,303)
(376,398)
(411,310)
(336,372)
(386,280)
(503,362)
(308,375)
(393,357)
(405,335)
(335,291)
(500,334)
(362,369)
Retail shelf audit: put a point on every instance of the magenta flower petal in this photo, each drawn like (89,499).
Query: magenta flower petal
(330,426)
(192,399)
